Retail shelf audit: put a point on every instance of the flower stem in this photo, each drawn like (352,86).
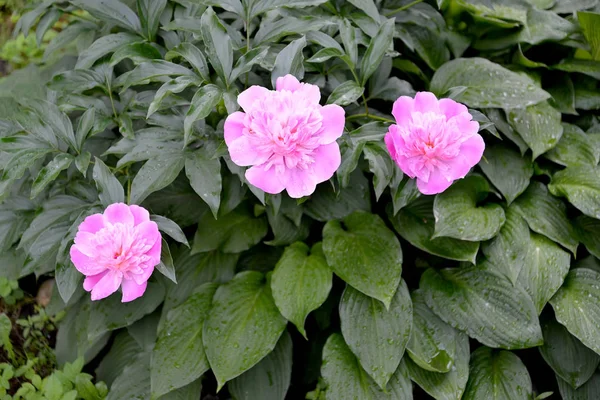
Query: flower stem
(370,116)
(406,7)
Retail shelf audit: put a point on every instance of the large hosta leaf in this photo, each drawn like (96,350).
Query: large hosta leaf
(432,344)
(497,375)
(588,232)
(463,297)
(346,379)
(581,186)
(566,355)
(577,306)
(508,250)
(376,336)
(301,282)
(507,170)
(365,253)
(486,84)
(449,385)
(242,327)
(589,391)
(574,148)
(544,269)
(546,215)
(415,223)
(457,215)
(538,125)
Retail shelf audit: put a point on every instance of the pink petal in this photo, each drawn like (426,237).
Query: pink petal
(85,243)
(402,110)
(299,183)
(312,93)
(389,142)
(107,285)
(451,108)
(83,263)
(132,290)
(333,123)
(266,180)
(91,281)
(154,253)
(234,126)
(119,213)
(148,231)
(144,276)
(140,214)
(327,161)
(244,154)
(92,223)
(465,126)
(288,82)
(247,98)
(437,183)
(426,102)
(471,152)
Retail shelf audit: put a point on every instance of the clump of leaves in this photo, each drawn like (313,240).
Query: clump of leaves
(493,282)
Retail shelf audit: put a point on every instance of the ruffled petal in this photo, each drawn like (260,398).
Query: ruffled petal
(389,142)
(242,153)
(451,108)
(84,264)
(327,161)
(154,253)
(119,213)
(471,152)
(247,98)
(333,123)
(288,82)
(90,281)
(402,110)
(311,93)
(267,180)
(299,182)
(107,285)
(85,243)
(144,275)
(437,183)
(234,126)
(426,102)
(132,290)
(92,223)
(148,231)
(140,214)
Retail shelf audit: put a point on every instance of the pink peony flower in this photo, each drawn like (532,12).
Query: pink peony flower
(118,248)
(434,141)
(287,137)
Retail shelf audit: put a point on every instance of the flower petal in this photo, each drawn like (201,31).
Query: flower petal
(402,110)
(299,183)
(107,285)
(327,161)
(389,140)
(242,153)
(119,213)
(310,93)
(451,108)
(333,123)
(437,183)
(90,281)
(140,214)
(92,223)
(84,264)
(266,180)
(471,152)
(144,276)
(234,126)
(288,82)
(426,102)
(148,231)
(131,290)
(248,97)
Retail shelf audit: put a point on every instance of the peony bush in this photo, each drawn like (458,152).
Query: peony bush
(312,199)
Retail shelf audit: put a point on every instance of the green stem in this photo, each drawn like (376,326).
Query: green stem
(128,187)
(406,7)
(112,103)
(370,116)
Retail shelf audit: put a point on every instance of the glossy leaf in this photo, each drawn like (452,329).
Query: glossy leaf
(110,189)
(290,60)
(507,170)
(581,186)
(538,125)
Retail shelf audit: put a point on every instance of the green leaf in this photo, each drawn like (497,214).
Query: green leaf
(458,216)
(138,53)
(507,170)
(85,127)
(346,379)
(380,164)
(504,317)
(375,335)
(67,280)
(538,125)
(589,391)
(193,55)
(185,393)
(507,252)
(301,282)
(546,215)
(261,6)
(110,190)
(270,378)
(217,43)
(544,270)
(488,85)
(170,228)
(234,232)
(110,314)
(176,85)
(50,172)
(588,233)
(576,306)
(432,344)
(245,63)
(152,71)
(156,174)
(150,12)
(242,327)
(368,7)
(574,148)
(497,375)
(346,93)
(348,36)
(51,116)
(587,67)
(415,223)
(590,22)
(376,50)
(563,94)
(202,105)
(581,186)
(111,11)
(134,381)
(178,357)
(166,266)
(445,386)
(290,60)
(566,355)
(103,46)
(326,54)
(365,253)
